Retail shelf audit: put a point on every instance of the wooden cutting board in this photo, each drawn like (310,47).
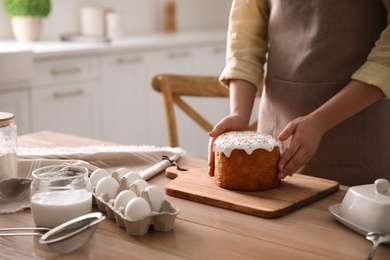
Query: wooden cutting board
(293,193)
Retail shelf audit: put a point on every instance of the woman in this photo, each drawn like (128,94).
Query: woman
(327,84)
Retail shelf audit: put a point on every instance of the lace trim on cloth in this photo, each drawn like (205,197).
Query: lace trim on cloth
(26,151)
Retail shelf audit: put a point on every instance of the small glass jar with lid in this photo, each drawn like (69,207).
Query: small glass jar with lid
(8,146)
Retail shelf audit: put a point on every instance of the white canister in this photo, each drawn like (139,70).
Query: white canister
(92,20)
(114,25)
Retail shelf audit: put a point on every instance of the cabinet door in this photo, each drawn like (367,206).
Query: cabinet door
(169,61)
(123,98)
(67,108)
(17,102)
(208,60)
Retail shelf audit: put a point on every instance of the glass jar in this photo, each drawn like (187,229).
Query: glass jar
(60,193)
(8,146)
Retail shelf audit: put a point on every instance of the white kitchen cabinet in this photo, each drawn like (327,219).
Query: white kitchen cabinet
(210,60)
(64,96)
(170,61)
(133,113)
(67,108)
(15,75)
(204,60)
(16,101)
(104,90)
(123,98)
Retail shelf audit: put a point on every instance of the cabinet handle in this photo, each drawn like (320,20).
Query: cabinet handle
(179,54)
(72,93)
(129,60)
(65,71)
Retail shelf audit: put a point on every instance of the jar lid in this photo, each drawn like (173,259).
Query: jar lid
(5,116)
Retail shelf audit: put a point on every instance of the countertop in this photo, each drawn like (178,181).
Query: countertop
(157,41)
(17,59)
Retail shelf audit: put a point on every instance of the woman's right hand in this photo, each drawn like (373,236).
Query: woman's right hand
(230,123)
(242,95)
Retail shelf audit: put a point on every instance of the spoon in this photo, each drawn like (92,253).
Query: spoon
(68,236)
(377,238)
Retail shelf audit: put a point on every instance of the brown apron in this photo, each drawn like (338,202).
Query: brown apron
(315,46)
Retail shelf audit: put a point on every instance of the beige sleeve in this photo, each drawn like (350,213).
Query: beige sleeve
(247,42)
(376,70)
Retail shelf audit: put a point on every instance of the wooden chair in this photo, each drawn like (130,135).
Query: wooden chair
(175,86)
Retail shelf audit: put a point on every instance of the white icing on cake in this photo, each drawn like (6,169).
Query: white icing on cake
(245,140)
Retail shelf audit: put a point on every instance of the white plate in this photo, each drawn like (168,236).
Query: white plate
(335,210)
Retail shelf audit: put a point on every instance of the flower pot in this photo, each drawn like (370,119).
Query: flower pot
(26,28)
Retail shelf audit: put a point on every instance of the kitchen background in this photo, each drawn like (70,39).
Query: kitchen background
(102,90)
(140,16)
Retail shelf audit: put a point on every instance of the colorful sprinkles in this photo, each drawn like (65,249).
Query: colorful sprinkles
(245,140)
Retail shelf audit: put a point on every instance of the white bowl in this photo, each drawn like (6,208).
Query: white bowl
(368,206)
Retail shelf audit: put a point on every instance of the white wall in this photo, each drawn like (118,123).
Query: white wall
(141,16)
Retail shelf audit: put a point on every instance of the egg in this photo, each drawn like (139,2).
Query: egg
(132,177)
(137,208)
(156,197)
(123,198)
(107,185)
(139,185)
(120,172)
(97,175)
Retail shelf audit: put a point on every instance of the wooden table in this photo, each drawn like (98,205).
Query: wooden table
(202,231)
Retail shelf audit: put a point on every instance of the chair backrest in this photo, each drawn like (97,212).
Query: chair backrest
(174,86)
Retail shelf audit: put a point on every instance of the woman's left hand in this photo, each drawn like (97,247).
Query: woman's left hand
(306,134)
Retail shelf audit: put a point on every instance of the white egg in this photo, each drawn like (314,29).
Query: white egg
(137,208)
(156,197)
(107,185)
(97,175)
(140,185)
(120,172)
(123,198)
(132,177)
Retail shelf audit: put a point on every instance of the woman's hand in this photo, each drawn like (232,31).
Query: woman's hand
(306,134)
(242,97)
(232,122)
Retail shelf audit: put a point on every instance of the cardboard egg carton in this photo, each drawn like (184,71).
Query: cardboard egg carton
(160,221)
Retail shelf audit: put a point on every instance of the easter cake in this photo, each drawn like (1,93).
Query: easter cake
(246,161)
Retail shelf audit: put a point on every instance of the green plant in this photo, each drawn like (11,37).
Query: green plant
(39,8)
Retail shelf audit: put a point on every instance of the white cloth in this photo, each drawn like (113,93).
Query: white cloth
(146,160)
